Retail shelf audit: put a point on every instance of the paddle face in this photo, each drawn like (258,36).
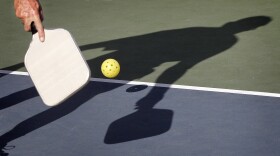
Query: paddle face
(56,66)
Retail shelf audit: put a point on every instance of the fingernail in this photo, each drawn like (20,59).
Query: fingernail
(42,39)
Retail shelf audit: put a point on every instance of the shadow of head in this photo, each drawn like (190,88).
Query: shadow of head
(246,24)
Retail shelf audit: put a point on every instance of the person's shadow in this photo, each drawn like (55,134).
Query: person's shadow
(138,56)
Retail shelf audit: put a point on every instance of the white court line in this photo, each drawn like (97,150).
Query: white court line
(221,90)
(13,72)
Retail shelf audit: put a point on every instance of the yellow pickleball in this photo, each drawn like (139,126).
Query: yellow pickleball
(110,68)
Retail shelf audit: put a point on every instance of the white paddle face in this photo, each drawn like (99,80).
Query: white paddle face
(56,66)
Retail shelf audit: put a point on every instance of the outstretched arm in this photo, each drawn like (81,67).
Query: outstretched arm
(30,11)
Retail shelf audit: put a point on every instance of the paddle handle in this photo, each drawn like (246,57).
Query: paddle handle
(33,28)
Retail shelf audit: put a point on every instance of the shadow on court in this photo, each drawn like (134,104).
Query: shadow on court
(139,55)
(51,114)
(12,68)
(17,97)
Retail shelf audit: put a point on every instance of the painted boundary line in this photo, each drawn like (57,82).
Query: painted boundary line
(220,90)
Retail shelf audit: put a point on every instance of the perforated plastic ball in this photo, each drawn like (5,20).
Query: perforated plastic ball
(110,68)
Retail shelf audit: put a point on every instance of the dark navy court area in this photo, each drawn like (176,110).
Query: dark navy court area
(120,119)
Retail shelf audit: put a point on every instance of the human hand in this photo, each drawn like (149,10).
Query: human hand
(30,12)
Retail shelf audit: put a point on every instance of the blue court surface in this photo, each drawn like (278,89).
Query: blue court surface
(108,118)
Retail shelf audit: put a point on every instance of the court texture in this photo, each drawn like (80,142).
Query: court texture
(198,78)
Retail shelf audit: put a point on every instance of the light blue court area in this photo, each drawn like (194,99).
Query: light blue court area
(124,119)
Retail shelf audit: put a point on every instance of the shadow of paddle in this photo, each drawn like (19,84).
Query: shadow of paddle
(145,122)
(138,125)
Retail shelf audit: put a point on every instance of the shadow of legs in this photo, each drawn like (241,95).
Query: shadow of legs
(17,97)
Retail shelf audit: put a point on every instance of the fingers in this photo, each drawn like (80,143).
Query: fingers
(30,11)
(26,24)
(40,29)
(38,23)
(38,26)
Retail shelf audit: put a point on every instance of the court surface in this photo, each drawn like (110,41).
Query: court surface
(123,119)
(179,42)
(210,73)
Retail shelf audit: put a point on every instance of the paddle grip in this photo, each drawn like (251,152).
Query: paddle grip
(33,28)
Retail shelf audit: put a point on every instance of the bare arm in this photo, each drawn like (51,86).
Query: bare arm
(30,11)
